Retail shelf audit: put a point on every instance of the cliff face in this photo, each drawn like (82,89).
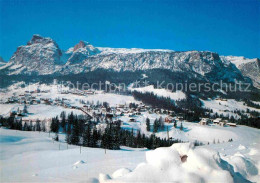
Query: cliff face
(40,55)
(249,68)
(43,56)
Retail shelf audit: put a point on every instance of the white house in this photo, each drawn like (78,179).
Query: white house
(204,121)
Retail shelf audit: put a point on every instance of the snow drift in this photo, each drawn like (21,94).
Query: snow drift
(165,165)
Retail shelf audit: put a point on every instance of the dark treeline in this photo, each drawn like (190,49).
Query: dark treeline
(251,104)
(248,121)
(11,123)
(84,132)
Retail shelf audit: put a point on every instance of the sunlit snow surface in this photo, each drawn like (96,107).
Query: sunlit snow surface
(160,92)
(227,107)
(33,157)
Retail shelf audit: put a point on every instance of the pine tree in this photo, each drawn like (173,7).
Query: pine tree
(151,144)
(38,126)
(115,143)
(25,127)
(75,132)
(25,109)
(87,136)
(175,124)
(95,137)
(161,123)
(10,122)
(181,128)
(106,138)
(148,128)
(155,126)
(20,125)
(132,138)
(54,124)
(63,120)
(139,142)
(56,138)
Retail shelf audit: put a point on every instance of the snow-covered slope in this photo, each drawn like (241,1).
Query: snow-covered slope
(34,157)
(80,52)
(227,108)
(178,95)
(248,67)
(107,50)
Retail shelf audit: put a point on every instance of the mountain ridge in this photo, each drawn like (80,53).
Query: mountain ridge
(42,56)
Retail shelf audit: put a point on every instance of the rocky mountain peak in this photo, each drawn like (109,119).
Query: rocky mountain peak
(81,51)
(39,39)
(81,44)
(40,54)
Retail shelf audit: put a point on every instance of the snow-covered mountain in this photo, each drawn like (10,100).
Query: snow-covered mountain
(80,52)
(248,67)
(42,56)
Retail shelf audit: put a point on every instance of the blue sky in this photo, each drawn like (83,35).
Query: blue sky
(229,27)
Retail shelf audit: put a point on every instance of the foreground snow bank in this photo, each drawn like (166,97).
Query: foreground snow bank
(166,165)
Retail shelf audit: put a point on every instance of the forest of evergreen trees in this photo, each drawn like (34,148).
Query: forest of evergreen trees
(83,132)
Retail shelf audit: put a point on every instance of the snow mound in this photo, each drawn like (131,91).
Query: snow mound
(120,172)
(241,147)
(253,152)
(104,177)
(165,165)
(243,165)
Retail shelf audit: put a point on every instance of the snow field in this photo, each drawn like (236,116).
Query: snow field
(178,95)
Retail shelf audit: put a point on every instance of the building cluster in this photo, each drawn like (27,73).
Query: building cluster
(101,112)
(216,121)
